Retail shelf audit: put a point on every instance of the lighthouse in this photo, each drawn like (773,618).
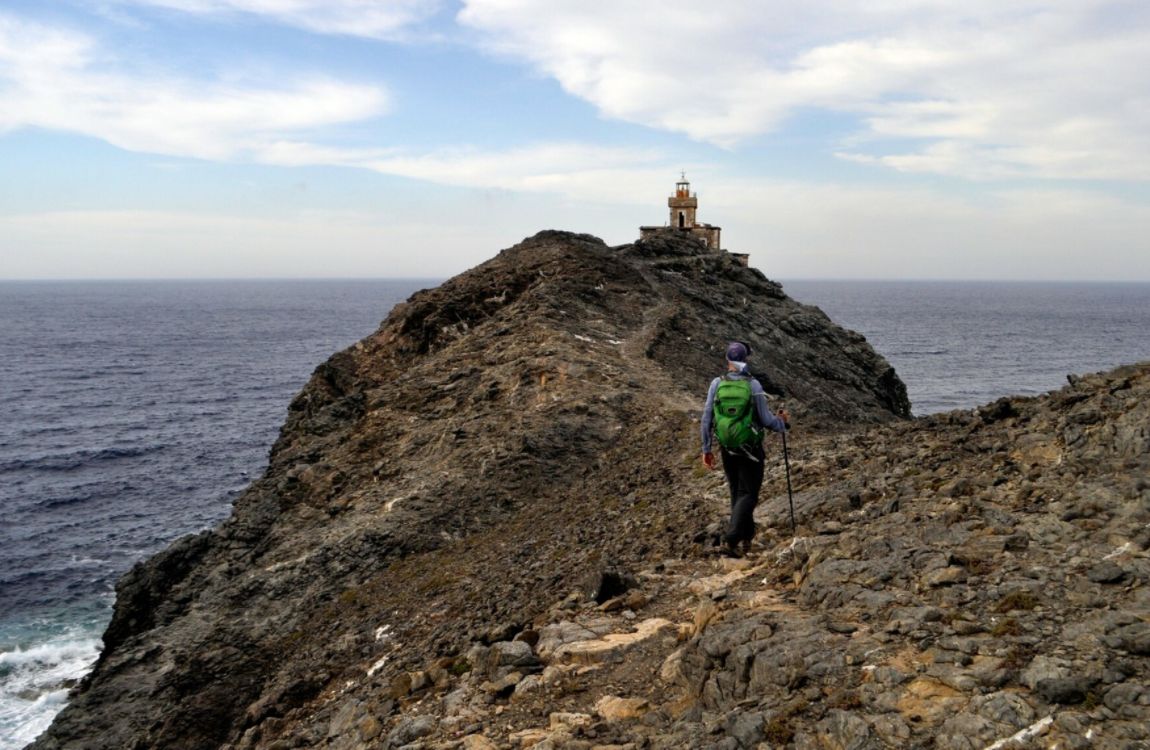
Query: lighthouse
(683,205)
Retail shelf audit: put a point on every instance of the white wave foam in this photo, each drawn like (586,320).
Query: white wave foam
(52,653)
(28,721)
(34,684)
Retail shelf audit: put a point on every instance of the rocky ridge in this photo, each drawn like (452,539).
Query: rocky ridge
(485,526)
(970,580)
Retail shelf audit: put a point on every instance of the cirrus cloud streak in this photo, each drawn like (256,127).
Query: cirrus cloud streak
(376,19)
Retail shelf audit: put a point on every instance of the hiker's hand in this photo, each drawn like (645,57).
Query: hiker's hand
(709,460)
(785,417)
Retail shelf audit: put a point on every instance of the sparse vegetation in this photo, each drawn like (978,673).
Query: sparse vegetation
(779,731)
(780,728)
(979,566)
(846,700)
(350,598)
(1021,600)
(1008,626)
(1018,657)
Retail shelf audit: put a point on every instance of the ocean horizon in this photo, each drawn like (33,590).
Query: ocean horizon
(439,280)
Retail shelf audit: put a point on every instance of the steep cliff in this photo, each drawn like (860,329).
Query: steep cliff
(500,441)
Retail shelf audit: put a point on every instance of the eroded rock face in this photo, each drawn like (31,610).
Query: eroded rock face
(525,426)
(969,614)
(1002,596)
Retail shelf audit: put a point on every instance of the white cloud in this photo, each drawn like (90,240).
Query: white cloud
(61,80)
(1037,88)
(33,48)
(579,171)
(161,244)
(807,230)
(379,19)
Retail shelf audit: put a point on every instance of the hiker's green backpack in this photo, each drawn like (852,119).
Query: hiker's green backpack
(735,413)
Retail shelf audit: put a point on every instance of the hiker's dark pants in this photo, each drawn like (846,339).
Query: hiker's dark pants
(744,470)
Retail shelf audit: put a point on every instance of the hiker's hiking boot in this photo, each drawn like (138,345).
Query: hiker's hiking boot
(730,549)
(746,545)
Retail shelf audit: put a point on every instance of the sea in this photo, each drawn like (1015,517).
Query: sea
(132,413)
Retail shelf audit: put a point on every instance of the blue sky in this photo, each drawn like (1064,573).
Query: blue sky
(416,138)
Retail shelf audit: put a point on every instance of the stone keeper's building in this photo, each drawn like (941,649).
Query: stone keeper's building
(683,205)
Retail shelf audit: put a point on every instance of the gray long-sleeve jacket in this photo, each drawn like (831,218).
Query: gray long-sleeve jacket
(764,419)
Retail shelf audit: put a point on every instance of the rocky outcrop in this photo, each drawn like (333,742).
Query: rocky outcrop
(971,580)
(498,441)
(485,526)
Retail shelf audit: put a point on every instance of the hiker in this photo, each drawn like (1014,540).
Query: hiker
(737,412)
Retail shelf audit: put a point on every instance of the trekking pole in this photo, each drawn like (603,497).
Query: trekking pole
(790,496)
